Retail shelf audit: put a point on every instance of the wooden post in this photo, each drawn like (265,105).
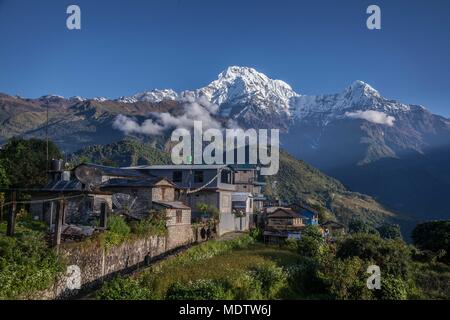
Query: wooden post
(11,216)
(58,225)
(103,215)
(2,202)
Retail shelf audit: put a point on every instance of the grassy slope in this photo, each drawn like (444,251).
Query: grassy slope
(296,180)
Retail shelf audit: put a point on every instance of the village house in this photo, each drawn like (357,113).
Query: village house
(247,179)
(242,206)
(332,229)
(282,224)
(312,215)
(131,193)
(201,184)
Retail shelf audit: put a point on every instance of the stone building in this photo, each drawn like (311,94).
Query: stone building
(128,192)
(201,184)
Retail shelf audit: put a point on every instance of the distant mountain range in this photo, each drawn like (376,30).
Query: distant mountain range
(393,151)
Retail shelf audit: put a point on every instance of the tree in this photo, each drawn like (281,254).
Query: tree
(311,242)
(4,181)
(345,279)
(433,236)
(356,225)
(392,256)
(390,231)
(25,161)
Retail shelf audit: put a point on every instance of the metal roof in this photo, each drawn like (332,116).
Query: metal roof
(60,185)
(111,171)
(180,167)
(133,183)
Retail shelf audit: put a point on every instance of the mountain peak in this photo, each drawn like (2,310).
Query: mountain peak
(359,88)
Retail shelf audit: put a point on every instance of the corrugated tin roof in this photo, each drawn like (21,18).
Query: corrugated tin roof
(132,183)
(180,167)
(111,171)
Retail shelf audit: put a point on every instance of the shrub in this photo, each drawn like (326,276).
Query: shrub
(244,286)
(392,288)
(155,224)
(256,234)
(390,231)
(203,289)
(392,256)
(311,243)
(27,265)
(118,231)
(345,279)
(272,279)
(124,289)
(434,236)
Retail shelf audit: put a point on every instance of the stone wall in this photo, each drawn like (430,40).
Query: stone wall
(95,264)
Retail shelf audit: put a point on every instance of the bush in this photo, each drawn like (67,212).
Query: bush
(345,279)
(155,225)
(27,265)
(392,256)
(390,231)
(311,243)
(244,286)
(433,236)
(392,288)
(124,289)
(256,234)
(118,231)
(272,279)
(203,289)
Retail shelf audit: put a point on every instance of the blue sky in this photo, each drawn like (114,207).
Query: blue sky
(317,46)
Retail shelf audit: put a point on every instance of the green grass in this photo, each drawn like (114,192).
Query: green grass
(240,267)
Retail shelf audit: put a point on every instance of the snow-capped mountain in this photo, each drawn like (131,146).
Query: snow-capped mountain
(242,93)
(154,96)
(246,87)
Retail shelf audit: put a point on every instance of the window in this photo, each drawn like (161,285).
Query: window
(177,176)
(179,214)
(225,177)
(198,176)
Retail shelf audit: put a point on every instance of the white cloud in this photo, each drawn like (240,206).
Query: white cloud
(372,116)
(193,110)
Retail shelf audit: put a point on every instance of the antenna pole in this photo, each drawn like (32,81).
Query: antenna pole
(46,138)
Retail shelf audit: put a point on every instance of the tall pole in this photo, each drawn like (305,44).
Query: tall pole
(58,225)
(11,216)
(46,138)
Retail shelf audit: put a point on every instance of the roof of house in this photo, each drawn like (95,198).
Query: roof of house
(304,206)
(134,183)
(285,213)
(60,185)
(244,167)
(172,204)
(180,167)
(110,171)
(332,224)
